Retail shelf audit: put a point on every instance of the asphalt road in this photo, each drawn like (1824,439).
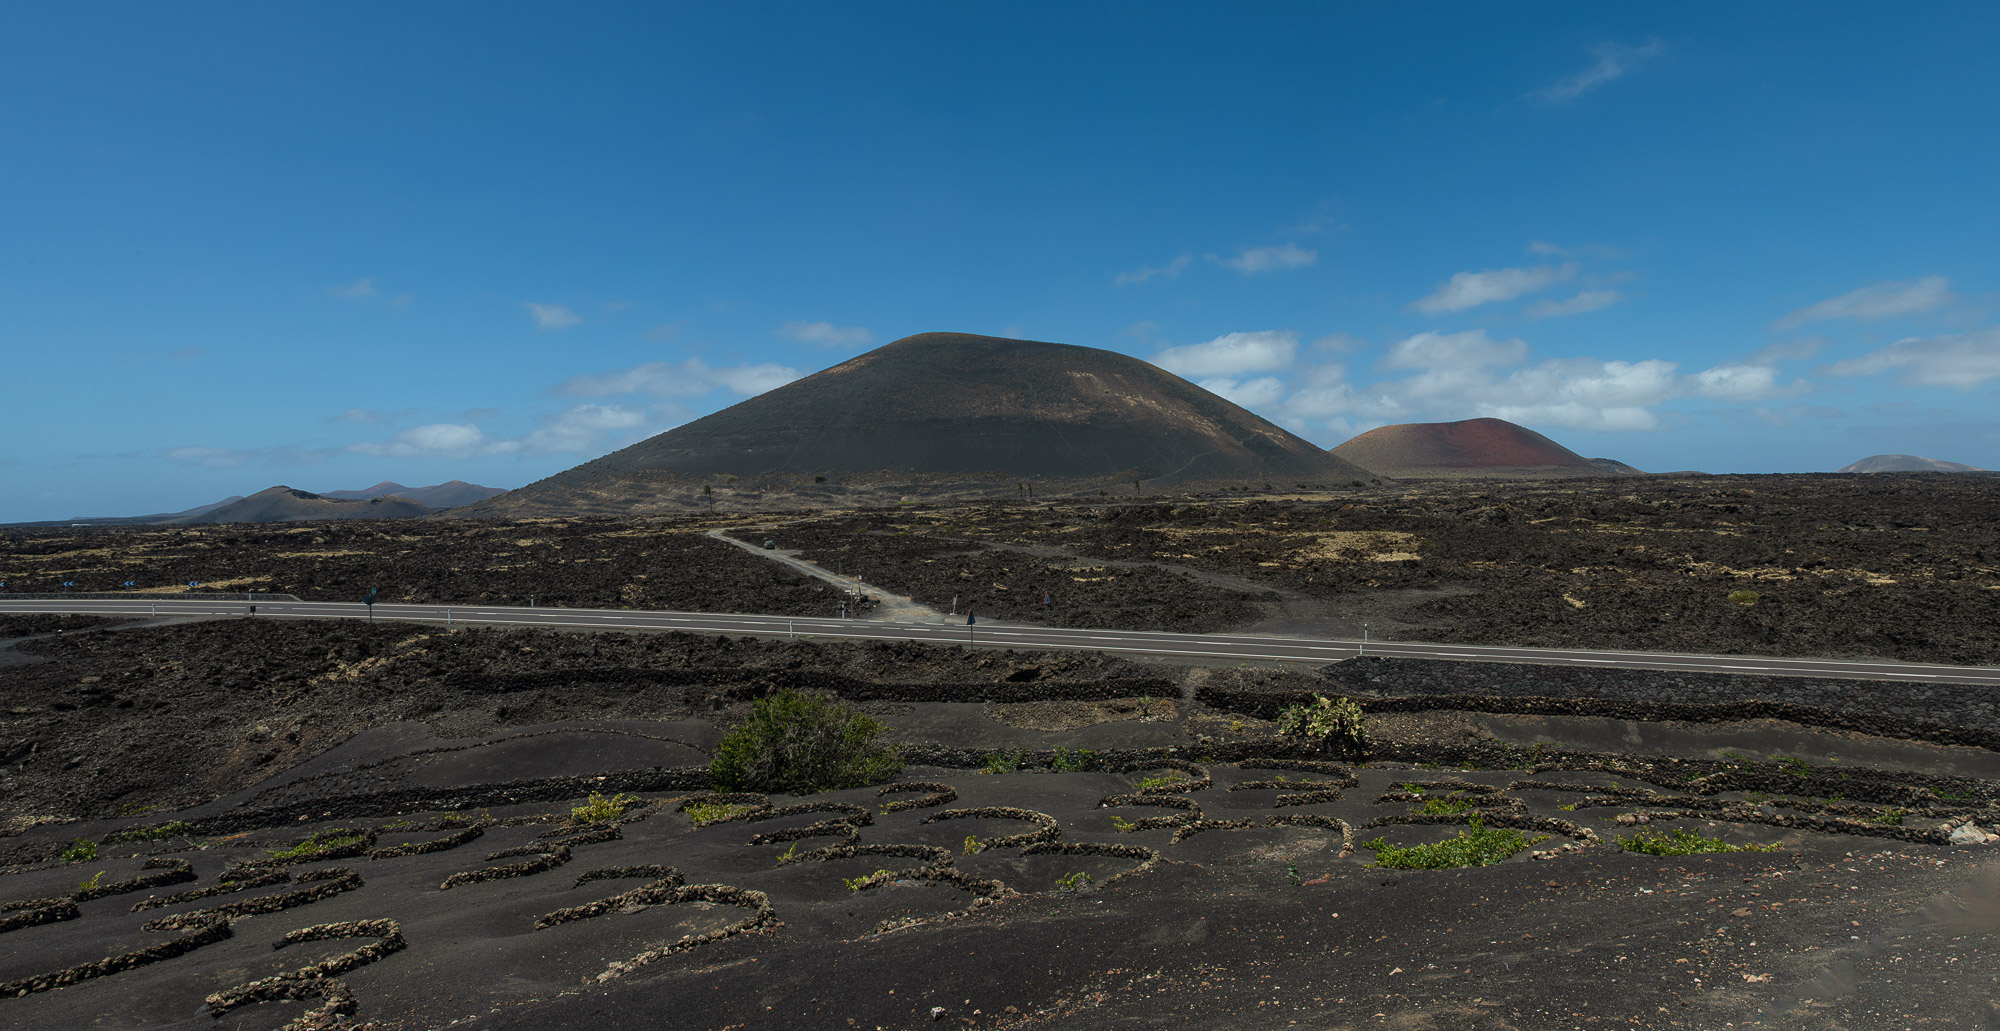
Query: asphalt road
(1224,646)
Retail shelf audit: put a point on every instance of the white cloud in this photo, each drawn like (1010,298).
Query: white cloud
(1171,270)
(1471,289)
(826,334)
(1253,260)
(680,379)
(1735,382)
(1588,300)
(580,429)
(1881,300)
(1254,393)
(1232,354)
(1963,360)
(359,290)
(438,440)
(1614,60)
(552,316)
(1469,349)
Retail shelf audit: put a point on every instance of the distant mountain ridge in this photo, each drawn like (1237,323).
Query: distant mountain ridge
(1907,464)
(450,494)
(948,407)
(283,504)
(1471,448)
(238,509)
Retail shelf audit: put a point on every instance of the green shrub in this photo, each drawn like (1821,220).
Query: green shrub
(1167,779)
(82,850)
(1001,762)
(1066,761)
(709,812)
(801,743)
(600,809)
(1683,842)
(1745,597)
(169,829)
(1072,883)
(1476,845)
(1326,723)
(324,841)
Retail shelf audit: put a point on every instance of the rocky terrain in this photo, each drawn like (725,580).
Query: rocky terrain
(252,824)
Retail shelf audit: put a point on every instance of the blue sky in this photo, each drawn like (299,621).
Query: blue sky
(325,245)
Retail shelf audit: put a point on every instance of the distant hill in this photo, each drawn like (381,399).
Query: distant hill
(1471,448)
(948,407)
(443,495)
(1907,464)
(1614,467)
(286,505)
(157,517)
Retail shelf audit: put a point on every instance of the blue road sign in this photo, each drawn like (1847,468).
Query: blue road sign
(194,583)
(69,583)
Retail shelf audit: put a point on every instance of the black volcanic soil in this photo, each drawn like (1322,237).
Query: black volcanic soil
(950,575)
(1238,911)
(576,563)
(1891,566)
(1899,566)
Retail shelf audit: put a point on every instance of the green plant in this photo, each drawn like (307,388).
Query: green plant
(1066,761)
(1796,767)
(1953,796)
(1443,806)
(855,883)
(323,841)
(1236,725)
(973,844)
(1757,797)
(153,833)
(1072,883)
(1146,707)
(1292,871)
(1001,762)
(1476,845)
(1161,781)
(92,883)
(1745,597)
(802,743)
(1569,806)
(710,812)
(1325,722)
(787,855)
(82,850)
(600,809)
(1683,842)
(1891,817)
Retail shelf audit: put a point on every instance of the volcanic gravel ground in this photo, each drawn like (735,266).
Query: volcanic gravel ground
(1012,586)
(179,714)
(1243,923)
(588,563)
(1895,566)
(1215,883)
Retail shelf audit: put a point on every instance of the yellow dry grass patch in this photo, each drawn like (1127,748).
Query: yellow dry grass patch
(1574,601)
(319,554)
(1378,545)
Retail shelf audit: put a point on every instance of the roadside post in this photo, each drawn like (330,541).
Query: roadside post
(971,635)
(370,602)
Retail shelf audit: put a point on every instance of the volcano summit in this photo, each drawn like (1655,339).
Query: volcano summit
(953,406)
(1471,447)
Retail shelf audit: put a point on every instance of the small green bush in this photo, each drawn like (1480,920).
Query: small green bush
(82,850)
(324,841)
(1066,761)
(1745,597)
(1070,884)
(1326,723)
(1476,845)
(708,812)
(173,828)
(1683,842)
(801,743)
(600,809)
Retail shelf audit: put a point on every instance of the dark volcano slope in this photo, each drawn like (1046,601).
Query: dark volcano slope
(283,504)
(1471,447)
(956,405)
